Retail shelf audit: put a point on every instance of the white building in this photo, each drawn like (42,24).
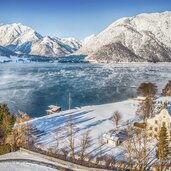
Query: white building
(154,124)
(114,138)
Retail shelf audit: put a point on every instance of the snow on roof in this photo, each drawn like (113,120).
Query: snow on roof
(54,107)
(169,102)
(169,109)
(141,98)
(115,136)
(164,99)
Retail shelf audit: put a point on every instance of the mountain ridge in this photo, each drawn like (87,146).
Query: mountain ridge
(22,39)
(146,36)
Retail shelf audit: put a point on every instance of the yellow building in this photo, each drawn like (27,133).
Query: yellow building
(154,124)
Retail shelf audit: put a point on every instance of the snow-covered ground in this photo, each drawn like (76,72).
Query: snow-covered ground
(47,165)
(96,119)
(22,166)
(17,166)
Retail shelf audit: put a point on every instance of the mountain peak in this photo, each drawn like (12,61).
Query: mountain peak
(23,39)
(17,33)
(146,36)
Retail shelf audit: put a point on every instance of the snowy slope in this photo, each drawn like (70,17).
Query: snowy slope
(96,119)
(5,52)
(73,43)
(17,166)
(47,46)
(14,34)
(145,37)
(24,40)
(20,166)
(29,166)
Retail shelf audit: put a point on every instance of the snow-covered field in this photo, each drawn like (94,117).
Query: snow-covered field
(96,119)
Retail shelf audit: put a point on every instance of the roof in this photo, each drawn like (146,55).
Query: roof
(169,110)
(115,136)
(54,107)
(169,107)
(169,102)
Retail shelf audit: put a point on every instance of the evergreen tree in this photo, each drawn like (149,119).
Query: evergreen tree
(162,146)
(6,122)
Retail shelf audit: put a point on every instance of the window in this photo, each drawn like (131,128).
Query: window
(150,134)
(156,122)
(151,128)
(156,129)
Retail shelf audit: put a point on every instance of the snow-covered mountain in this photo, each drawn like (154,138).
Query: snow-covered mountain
(24,40)
(73,43)
(145,37)
(6,52)
(46,46)
(17,34)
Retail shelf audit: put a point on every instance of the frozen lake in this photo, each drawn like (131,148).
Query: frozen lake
(31,87)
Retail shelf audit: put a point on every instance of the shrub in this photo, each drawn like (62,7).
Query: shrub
(5,148)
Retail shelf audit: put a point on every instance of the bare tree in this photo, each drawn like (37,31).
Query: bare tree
(65,152)
(167,89)
(147,89)
(137,150)
(129,153)
(85,143)
(109,161)
(89,159)
(57,138)
(146,107)
(116,118)
(71,130)
(22,136)
(99,155)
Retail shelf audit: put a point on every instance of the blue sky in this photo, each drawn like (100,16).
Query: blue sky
(74,18)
